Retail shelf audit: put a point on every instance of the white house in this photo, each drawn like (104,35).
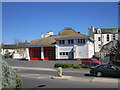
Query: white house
(102,36)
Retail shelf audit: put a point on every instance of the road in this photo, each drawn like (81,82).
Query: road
(41,74)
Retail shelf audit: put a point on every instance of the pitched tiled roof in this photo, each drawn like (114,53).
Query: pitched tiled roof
(74,35)
(9,46)
(67,31)
(13,46)
(44,41)
(52,39)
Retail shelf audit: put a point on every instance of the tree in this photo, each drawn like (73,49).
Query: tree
(20,46)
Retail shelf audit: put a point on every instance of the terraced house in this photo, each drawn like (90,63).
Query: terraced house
(68,44)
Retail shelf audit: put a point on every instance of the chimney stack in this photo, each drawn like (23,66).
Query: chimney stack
(93,29)
(42,35)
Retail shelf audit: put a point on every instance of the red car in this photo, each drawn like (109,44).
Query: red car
(90,61)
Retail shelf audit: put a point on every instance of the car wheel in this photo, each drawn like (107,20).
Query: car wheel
(98,74)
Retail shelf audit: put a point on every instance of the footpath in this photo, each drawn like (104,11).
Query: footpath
(67,77)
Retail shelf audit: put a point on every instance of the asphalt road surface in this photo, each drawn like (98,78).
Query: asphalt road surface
(41,74)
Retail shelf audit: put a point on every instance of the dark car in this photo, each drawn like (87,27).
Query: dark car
(90,61)
(105,70)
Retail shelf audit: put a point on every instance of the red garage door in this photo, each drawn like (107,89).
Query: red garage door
(35,53)
(49,53)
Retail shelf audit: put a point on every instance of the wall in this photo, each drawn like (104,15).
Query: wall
(90,49)
(104,40)
(80,50)
(64,49)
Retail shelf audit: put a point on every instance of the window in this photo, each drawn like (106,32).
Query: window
(78,40)
(99,45)
(107,37)
(64,53)
(70,41)
(62,41)
(113,36)
(98,38)
(60,53)
(67,53)
(81,40)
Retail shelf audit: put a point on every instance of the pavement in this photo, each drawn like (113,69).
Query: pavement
(72,78)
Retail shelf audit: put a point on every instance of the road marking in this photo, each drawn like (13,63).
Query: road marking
(29,68)
(41,76)
(105,80)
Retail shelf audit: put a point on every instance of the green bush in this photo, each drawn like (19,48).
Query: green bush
(66,65)
(76,66)
(63,65)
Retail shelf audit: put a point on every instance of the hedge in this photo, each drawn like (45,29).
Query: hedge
(63,65)
(66,65)
(76,66)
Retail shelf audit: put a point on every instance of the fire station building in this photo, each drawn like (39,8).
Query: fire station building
(68,44)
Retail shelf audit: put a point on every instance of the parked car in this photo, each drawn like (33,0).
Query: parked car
(90,61)
(105,70)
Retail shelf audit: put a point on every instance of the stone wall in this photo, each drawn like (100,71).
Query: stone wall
(8,77)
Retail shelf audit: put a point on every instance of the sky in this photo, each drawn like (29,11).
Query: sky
(26,21)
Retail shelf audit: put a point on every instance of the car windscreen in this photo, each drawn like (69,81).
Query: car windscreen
(94,59)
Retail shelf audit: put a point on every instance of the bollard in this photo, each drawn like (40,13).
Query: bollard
(59,71)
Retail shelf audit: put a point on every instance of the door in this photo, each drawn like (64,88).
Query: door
(71,55)
(35,53)
(49,53)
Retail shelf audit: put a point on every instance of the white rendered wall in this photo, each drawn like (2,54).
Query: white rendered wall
(103,40)
(64,49)
(27,54)
(80,50)
(90,49)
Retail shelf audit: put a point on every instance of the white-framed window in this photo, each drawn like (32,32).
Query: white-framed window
(99,45)
(108,37)
(62,41)
(71,41)
(81,41)
(98,38)
(114,37)
(99,31)
(64,53)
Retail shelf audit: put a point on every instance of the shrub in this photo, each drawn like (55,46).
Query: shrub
(63,65)
(66,65)
(76,66)
(10,79)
